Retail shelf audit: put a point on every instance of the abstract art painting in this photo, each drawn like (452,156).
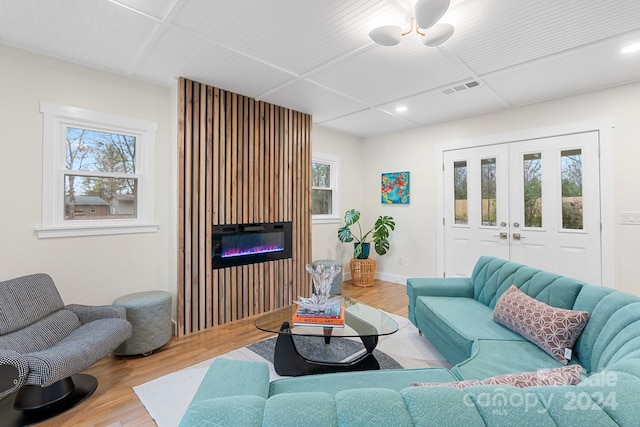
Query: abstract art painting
(394,188)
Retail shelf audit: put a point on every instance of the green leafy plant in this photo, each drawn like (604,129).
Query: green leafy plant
(379,233)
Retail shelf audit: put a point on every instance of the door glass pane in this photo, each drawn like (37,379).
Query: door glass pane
(460,192)
(571,164)
(532,167)
(488,188)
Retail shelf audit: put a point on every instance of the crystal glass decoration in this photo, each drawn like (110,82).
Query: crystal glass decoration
(322,277)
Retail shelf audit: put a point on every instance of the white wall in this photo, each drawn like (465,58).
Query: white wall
(415,236)
(96,270)
(87,270)
(325,243)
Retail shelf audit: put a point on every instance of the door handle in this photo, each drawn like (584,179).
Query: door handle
(517,236)
(503,235)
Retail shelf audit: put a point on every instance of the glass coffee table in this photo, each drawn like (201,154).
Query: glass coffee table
(361,321)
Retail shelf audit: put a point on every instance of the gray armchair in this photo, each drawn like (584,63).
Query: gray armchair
(45,344)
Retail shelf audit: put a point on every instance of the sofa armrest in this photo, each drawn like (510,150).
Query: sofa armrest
(89,313)
(441,287)
(232,393)
(437,287)
(13,372)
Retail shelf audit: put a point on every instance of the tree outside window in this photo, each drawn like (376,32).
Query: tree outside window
(532,169)
(324,186)
(98,173)
(572,213)
(321,191)
(100,181)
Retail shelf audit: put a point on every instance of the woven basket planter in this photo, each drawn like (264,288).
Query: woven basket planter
(363,271)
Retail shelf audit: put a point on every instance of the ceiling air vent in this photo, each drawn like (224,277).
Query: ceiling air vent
(460,87)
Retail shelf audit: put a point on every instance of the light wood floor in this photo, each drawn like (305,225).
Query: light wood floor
(115,404)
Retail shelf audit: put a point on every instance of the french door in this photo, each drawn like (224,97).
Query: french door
(536,202)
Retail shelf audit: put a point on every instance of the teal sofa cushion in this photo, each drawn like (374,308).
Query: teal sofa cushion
(453,324)
(440,407)
(394,379)
(377,407)
(317,409)
(490,358)
(576,405)
(232,411)
(615,394)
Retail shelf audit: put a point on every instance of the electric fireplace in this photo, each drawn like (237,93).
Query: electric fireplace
(241,244)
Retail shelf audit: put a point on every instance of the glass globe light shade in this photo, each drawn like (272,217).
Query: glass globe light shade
(437,34)
(428,12)
(389,35)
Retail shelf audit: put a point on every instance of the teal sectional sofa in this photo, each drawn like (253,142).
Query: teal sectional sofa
(456,315)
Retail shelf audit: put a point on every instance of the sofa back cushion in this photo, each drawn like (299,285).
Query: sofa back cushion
(25,300)
(491,277)
(611,338)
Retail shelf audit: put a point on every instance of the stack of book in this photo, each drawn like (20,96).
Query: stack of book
(330,318)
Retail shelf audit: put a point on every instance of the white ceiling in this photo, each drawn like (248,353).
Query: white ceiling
(315,56)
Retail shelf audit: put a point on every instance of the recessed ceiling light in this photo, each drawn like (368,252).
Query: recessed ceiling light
(401,109)
(631,48)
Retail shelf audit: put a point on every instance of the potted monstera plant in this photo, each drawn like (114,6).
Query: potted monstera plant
(378,234)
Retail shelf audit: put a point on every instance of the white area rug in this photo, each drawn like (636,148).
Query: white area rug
(167,398)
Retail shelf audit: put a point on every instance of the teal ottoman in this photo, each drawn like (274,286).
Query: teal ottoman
(150,316)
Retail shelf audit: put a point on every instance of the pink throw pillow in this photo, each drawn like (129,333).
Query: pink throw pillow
(555,330)
(565,375)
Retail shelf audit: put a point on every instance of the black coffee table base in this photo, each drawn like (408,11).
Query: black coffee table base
(288,362)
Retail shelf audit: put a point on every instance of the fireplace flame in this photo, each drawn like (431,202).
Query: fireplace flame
(233,252)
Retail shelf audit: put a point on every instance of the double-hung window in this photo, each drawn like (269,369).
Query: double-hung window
(325,170)
(98,173)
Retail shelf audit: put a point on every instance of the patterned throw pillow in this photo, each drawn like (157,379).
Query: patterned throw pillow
(555,330)
(566,375)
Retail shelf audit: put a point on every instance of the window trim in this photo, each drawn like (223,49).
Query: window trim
(56,118)
(334,164)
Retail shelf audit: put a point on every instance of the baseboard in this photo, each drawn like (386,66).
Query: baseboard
(174,328)
(381,276)
(391,278)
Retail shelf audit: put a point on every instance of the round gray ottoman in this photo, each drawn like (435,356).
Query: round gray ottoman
(150,316)
(336,285)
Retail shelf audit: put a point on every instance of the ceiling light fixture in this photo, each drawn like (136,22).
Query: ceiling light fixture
(427,13)
(631,48)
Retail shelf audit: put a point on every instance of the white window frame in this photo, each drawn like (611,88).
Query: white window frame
(334,165)
(56,119)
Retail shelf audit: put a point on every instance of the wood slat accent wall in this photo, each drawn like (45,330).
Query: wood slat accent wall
(240,161)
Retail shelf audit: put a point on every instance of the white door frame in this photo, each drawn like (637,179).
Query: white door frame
(604,126)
